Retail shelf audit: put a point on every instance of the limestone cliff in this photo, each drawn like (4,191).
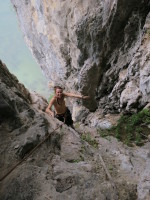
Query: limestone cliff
(95,47)
(66,166)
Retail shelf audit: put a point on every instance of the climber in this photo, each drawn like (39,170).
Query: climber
(61,112)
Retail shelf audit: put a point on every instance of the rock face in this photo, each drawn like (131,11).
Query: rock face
(99,48)
(65,166)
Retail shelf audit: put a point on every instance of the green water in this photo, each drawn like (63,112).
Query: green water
(15,54)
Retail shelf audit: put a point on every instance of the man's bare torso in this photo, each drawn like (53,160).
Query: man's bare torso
(59,105)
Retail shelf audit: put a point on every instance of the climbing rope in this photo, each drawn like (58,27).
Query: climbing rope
(109,176)
(28,155)
(36,147)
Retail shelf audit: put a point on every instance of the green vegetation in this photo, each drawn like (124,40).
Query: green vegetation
(82,150)
(77,125)
(77,160)
(148,31)
(19,60)
(87,137)
(131,129)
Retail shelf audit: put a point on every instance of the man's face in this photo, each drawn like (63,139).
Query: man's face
(59,93)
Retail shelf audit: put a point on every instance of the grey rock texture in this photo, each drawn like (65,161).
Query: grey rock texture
(65,166)
(99,48)
(38,101)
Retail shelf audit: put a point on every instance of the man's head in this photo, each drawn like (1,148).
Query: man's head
(58,91)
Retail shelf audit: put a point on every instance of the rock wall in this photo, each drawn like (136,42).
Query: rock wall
(65,166)
(99,48)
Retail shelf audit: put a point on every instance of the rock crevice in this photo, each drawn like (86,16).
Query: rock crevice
(87,45)
(66,166)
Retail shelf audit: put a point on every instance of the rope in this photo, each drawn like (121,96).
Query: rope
(106,170)
(108,174)
(36,147)
(28,155)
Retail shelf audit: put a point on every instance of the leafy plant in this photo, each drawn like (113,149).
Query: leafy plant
(148,31)
(87,137)
(130,128)
(77,160)
(82,150)
(138,139)
(77,125)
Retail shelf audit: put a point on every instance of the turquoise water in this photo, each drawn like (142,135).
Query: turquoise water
(15,54)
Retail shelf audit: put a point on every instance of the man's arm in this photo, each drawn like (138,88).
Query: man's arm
(76,95)
(49,108)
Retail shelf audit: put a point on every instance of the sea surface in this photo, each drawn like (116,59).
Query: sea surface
(15,54)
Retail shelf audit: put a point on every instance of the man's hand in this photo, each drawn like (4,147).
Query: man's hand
(52,114)
(85,97)
(48,111)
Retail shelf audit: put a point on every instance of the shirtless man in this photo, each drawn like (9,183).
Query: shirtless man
(61,111)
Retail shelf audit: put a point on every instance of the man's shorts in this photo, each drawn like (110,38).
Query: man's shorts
(65,117)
